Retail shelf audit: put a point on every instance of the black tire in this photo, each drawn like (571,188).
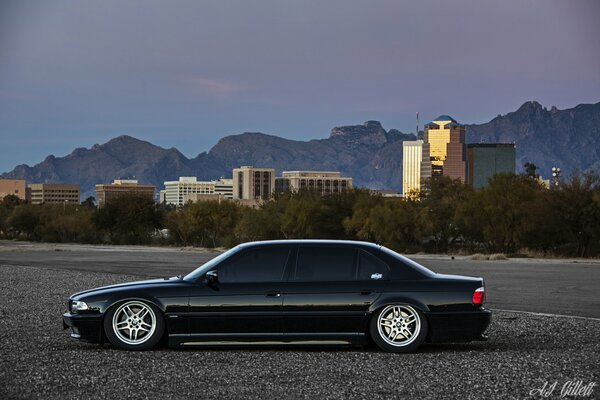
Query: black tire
(134,325)
(398,326)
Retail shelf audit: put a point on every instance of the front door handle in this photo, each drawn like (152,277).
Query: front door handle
(273,293)
(367,292)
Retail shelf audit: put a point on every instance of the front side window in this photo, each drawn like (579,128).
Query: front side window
(255,265)
(323,263)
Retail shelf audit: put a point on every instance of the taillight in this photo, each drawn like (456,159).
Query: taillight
(478,296)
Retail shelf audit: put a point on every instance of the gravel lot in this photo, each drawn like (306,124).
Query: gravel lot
(38,360)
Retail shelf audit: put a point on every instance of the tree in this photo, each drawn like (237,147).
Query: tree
(129,219)
(498,214)
(440,198)
(7,206)
(530,170)
(26,220)
(89,202)
(579,211)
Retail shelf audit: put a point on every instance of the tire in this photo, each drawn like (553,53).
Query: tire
(398,328)
(134,325)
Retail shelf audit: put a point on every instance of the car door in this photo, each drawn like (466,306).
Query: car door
(245,300)
(328,292)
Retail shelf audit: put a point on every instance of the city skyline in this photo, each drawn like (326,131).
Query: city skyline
(75,74)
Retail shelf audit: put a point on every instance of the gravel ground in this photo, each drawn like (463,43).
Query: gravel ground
(38,360)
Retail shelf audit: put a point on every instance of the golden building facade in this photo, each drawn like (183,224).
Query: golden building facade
(447,147)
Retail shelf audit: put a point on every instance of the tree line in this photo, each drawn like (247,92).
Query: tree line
(512,213)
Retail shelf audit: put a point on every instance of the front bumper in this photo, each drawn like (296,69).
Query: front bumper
(458,326)
(86,327)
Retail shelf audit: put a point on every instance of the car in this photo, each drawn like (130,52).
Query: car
(287,292)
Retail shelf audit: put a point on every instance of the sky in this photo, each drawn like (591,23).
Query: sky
(186,73)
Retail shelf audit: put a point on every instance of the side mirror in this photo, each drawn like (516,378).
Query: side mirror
(212,278)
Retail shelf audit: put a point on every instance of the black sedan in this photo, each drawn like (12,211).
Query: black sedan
(290,291)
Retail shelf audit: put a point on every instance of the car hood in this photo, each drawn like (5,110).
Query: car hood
(149,282)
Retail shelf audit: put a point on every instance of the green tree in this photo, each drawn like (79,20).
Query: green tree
(7,206)
(26,220)
(579,211)
(440,199)
(129,219)
(499,213)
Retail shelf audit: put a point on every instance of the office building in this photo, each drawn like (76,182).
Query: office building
(326,182)
(53,193)
(447,147)
(251,183)
(188,188)
(15,187)
(416,166)
(105,193)
(487,159)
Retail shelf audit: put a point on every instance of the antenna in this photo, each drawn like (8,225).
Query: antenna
(417,135)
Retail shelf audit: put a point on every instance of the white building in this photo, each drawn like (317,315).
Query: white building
(416,166)
(188,188)
(326,182)
(251,183)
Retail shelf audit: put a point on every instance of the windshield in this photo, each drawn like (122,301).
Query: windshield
(204,268)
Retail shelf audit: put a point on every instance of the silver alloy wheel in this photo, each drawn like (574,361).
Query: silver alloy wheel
(399,325)
(134,322)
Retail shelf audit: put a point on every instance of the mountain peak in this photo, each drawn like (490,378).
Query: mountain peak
(367,128)
(531,106)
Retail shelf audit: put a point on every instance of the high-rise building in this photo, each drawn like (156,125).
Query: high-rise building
(447,147)
(105,193)
(416,166)
(487,159)
(15,187)
(188,188)
(325,182)
(251,183)
(40,193)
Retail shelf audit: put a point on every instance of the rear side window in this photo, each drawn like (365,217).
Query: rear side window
(255,265)
(324,263)
(371,268)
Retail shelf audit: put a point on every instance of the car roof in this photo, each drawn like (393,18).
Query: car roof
(310,241)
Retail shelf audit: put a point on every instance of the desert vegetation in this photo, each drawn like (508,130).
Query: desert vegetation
(514,213)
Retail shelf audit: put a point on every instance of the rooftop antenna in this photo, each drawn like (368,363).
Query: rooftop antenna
(417,135)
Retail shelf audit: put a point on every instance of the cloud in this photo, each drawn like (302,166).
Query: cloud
(216,86)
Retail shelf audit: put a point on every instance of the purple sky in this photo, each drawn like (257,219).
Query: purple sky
(185,73)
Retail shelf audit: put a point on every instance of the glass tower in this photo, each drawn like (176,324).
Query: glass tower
(447,147)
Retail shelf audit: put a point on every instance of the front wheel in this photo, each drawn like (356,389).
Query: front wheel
(398,328)
(134,325)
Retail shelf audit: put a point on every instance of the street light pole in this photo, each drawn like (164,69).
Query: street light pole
(556,176)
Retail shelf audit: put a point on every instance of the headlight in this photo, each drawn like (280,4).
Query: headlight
(78,306)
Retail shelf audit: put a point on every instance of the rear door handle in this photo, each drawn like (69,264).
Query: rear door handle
(367,292)
(273,293)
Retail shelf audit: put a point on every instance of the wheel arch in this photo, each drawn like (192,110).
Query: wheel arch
(116,301)
(386,301)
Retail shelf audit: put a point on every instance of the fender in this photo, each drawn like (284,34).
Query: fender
(114,300)
(391,298)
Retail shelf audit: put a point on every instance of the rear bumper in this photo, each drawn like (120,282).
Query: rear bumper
(458,326)
(86,327)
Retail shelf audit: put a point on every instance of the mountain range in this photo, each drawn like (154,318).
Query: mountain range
(368,153)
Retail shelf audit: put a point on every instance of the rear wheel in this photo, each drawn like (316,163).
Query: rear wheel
(398,328)
(134,325)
